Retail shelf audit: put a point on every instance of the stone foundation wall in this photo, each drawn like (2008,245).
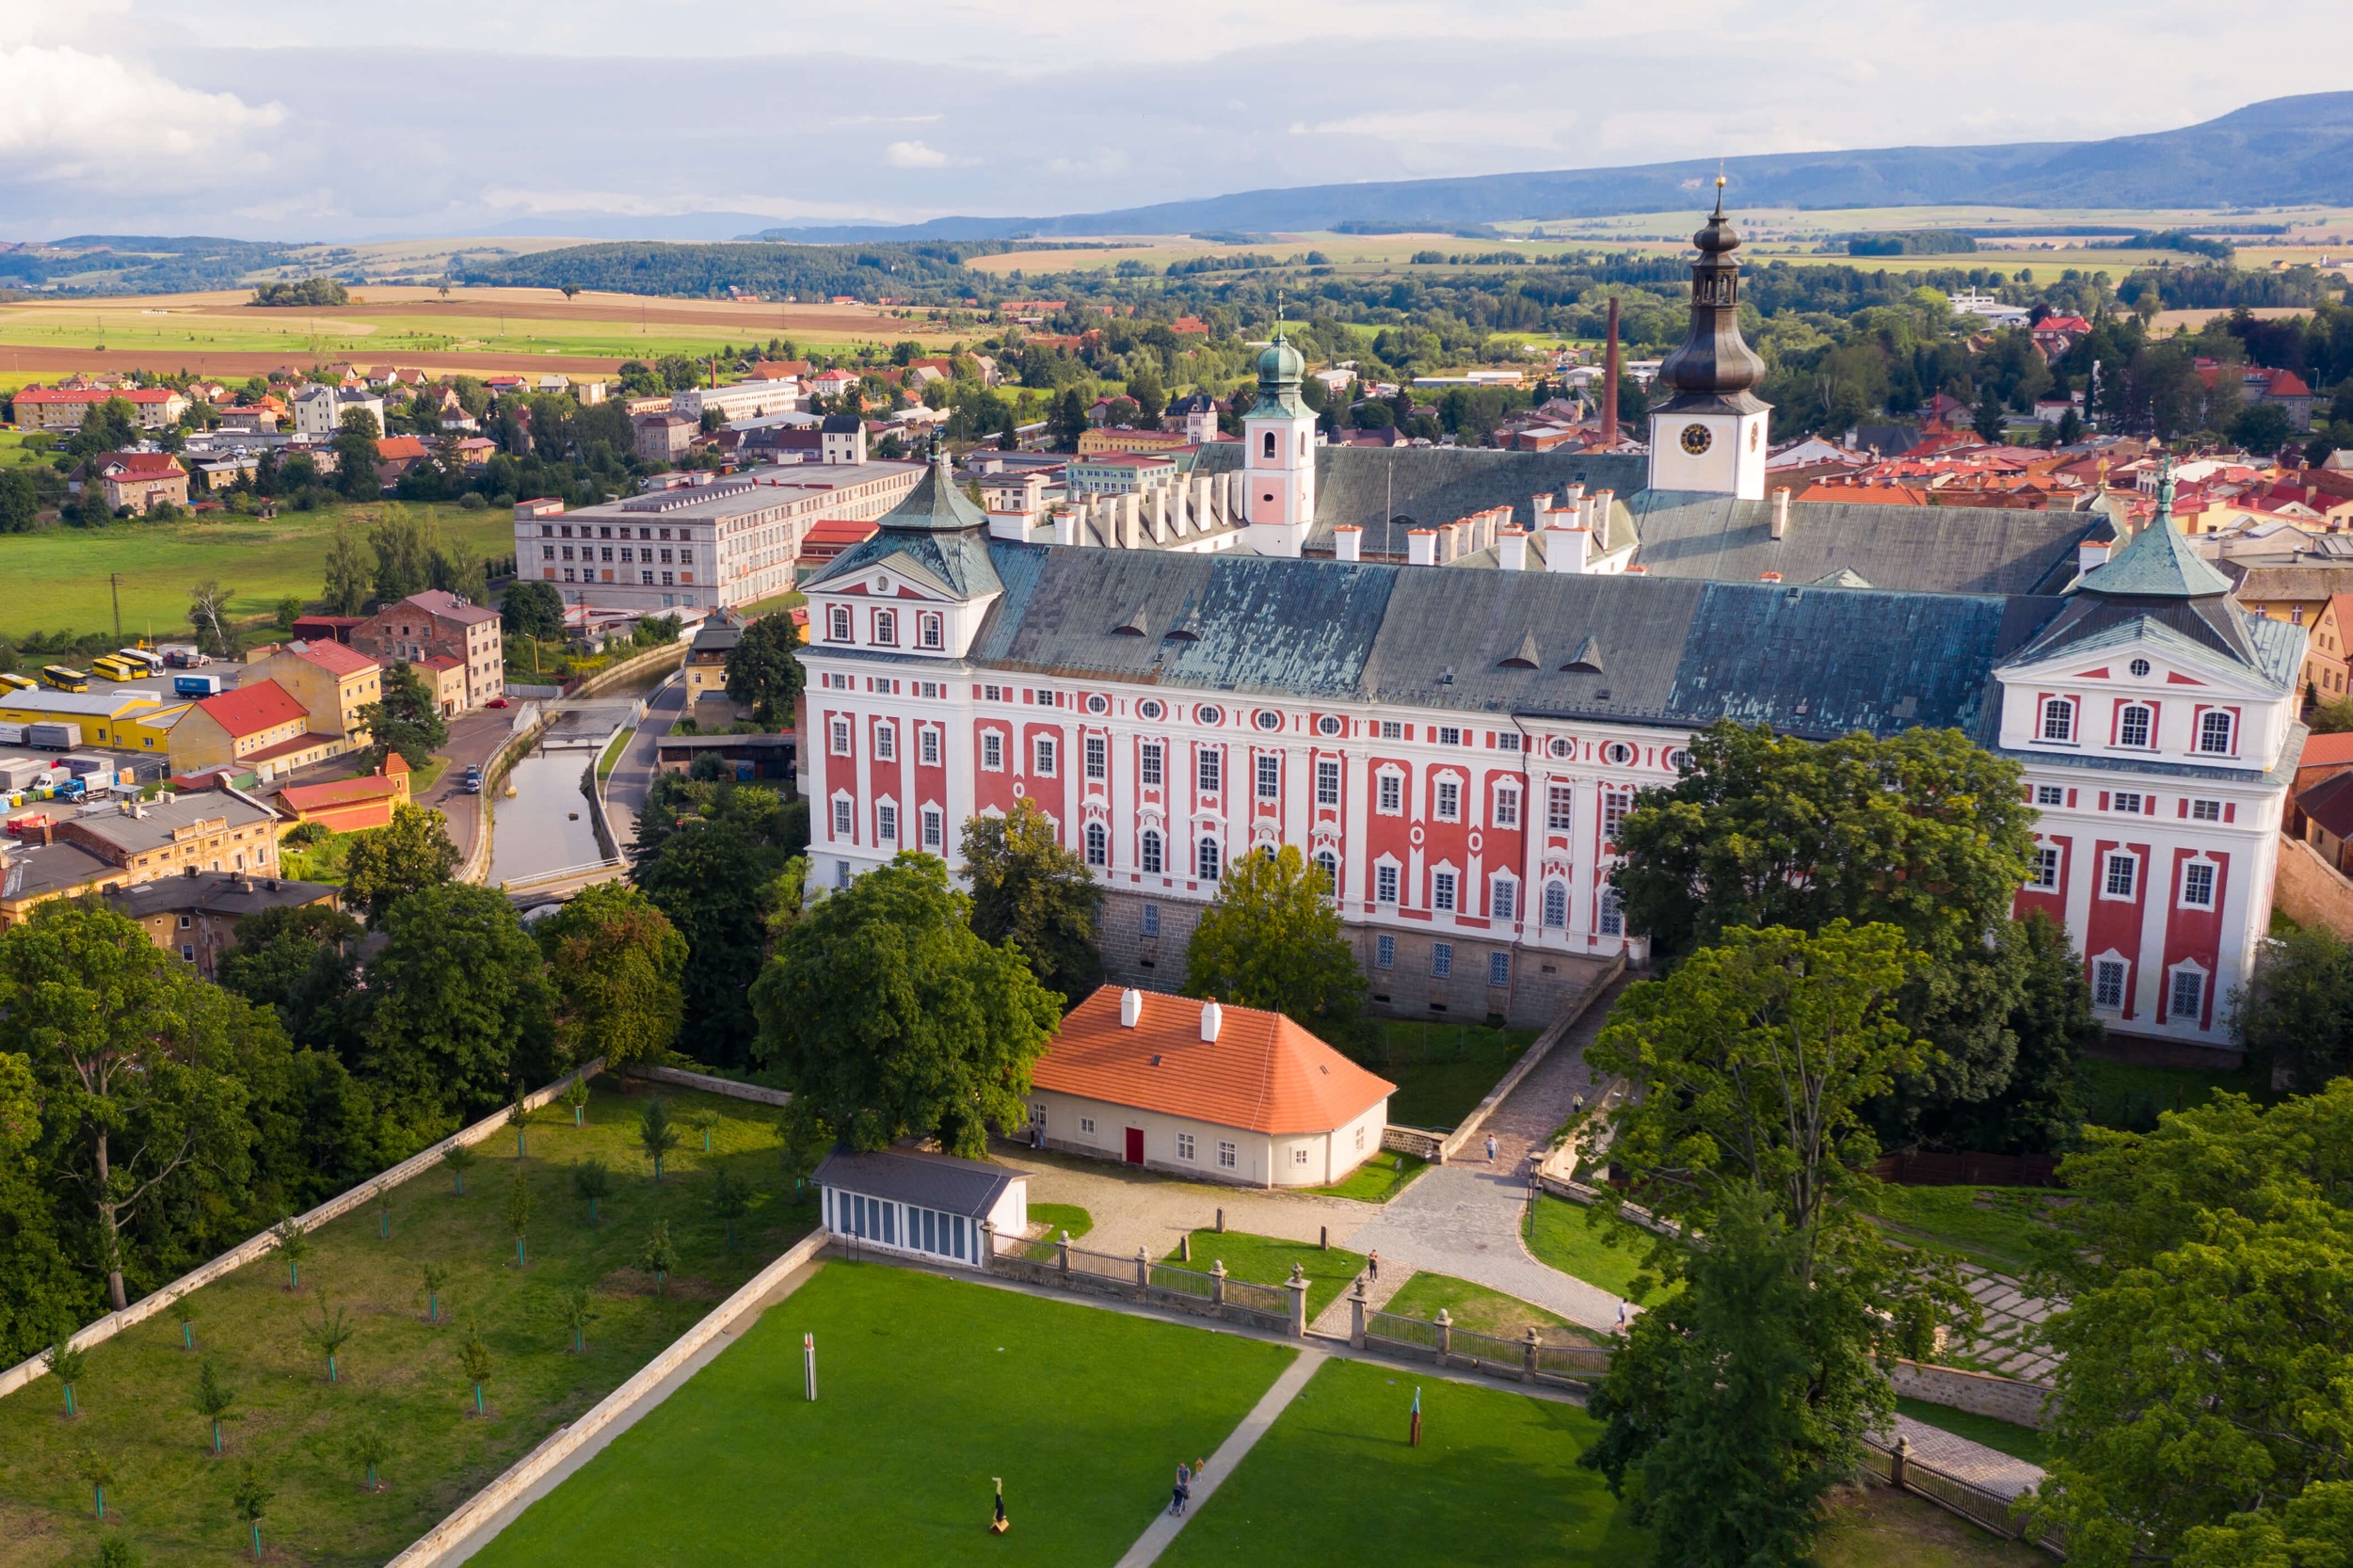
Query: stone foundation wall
(1980,1392)
(2309,892)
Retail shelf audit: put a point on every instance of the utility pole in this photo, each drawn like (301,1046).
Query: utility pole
(114,582)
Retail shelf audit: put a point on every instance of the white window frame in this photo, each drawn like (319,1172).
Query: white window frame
(1559,807)
(1443,886)
(1612,921)
(1099,851)
(1388,793)
(993,750)
(840,626)
(1208,857)
(2191,895)
(2103,971)
(1385,881)
(1150,766)
(2173,981)
(935,827)
(2050,794)
(1043,755)
(927,746)
(844,816)
(1327,781)
(1507,810)
(1097,754)
(2057,726)
(1446,799)
(1184,1147)
(886,824)
(885,741)
(1227,1156)
(886,627)
(2044,877)
(930,630)
(1616,806)
(1268,770)
(1556,905)
(838,737)
(2207,735)
(1503,896)
(2206,810)
(1151,857)
(1208,770)
(2110,863)
(2125,723)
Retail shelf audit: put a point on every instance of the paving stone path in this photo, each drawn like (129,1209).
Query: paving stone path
(1230,1455)
(1958,1457)
(2011,1342)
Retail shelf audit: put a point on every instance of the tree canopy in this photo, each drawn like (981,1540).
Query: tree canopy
(1033,891)
(386,864)
(765,671)
(889,1016)
(404,718)
(614,962)
(1273,940)
(461,1005)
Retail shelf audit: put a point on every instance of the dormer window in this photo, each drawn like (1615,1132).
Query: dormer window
(885,628)
(930,629)
(2059,718)
(2217,733)
(837,623)
(2132,724)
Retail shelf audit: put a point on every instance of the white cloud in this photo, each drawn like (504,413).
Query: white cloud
(914,154)
(78,115)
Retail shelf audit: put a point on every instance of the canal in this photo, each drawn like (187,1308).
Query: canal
(548,825)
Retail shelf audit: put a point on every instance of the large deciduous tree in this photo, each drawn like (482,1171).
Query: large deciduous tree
(407,854)
(890,1016)
(710,857)
(460,1005)
(404,719)
(614,962)
(1273,940)
(1029,889)
(532,609)
(765,671)
(39,1285)
(301,962)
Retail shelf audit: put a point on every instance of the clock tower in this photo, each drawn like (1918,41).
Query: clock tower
(1710,435)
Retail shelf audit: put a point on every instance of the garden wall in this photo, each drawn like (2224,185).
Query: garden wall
(1980,1392)
(2309,892)
(710,1085)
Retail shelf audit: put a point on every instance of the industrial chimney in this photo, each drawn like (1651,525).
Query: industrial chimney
(1609,381)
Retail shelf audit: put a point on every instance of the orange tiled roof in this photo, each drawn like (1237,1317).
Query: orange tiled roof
(1263,1073)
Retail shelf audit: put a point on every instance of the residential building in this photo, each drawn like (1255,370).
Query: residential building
(197,917)
(397,455)
(319,408)
(2324,757)
(707,657)
(2293,593)
(331,681)
(349,805)
(2326,811)
(440,625)
(64,408)
(139,480)
(259,725)
(842,439)
(1215,1093)
(1098,439)
(216,831)
(932,1206)
(664,437)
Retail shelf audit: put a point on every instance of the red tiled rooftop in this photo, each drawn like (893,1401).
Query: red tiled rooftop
(335,658)
(252,708)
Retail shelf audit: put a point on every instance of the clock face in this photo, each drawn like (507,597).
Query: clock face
(1697,438)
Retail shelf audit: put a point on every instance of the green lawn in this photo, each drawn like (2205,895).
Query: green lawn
(1265,1260)
(171,1498)
(613,753)
(1988,1225)
(1870,1527)
(1378,1180)
(1484,1311)
(2130,1096)
(1057,1218)
(2002,1436)
(56,576)
(927,1388)
(1441,1070)
(319,862)
(1562,1233)
(1495,1481)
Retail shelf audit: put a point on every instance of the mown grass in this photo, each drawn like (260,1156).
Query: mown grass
(1484,1311)
(400,1373)
(1378,1180)
(1565,1236)
(1265,1260)
(1872,1526)
(1060,1219)
(1441,1070)
(2002,1436)
(1992,1227)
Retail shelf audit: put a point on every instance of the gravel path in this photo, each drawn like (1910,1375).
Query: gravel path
(1963,1460)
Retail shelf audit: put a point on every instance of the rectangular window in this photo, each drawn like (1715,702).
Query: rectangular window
(886,744)
(2132,726)
(1149,855)
(1449,736)
(1507,806)
(2049,794)
(2198,885)
(2059,719)
(1207,772)
(1184,1146)
(1225,1153)
(1391,799)
(1042,750)
(840,818)
(927,746)
(840,737)
(1269,778)
(930,629)
(1384,883)
(1560,807)
(886,824)
(2045,874)
(1612,912)
(2108,984)
(2124,873)
(1038,1115)
(1149,764)
(2125,803)
(1327,783)
(1508,743)
(1086,1125)
(1299,1156)
(1392,730)
(1499,968)
(1503,900)
(932,827)
(1385,951)
(1616,803)
(1441,959)
(2189,989)
(1442,890)
(2213,733)
(2206,810)
(1097,757)
(1151,919)
(992,750)
(1449,800)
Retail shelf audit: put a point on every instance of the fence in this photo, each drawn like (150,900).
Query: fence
(1528,1359)
(255,1247)
(1894,1464)
(1276,1308)
(1921,1169)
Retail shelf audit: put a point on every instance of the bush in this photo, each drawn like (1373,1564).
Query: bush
(473,500)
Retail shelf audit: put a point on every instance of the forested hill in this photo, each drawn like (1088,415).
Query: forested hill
(802,271)
(2281,152)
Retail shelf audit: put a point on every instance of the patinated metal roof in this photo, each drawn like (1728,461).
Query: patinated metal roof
(1965,550)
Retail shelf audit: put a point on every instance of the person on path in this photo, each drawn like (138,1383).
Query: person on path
(1372,1267)
(1182,1490)
(1491,1148)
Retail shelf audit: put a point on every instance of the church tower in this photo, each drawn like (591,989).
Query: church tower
(1280,465)
(1710,435)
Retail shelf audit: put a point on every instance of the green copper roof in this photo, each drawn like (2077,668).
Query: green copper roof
(935,504)
(2157,563)
(1279,370)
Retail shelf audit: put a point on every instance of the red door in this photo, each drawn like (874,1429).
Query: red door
(1135,1145)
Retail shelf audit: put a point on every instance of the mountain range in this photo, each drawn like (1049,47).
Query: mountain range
(2283,152)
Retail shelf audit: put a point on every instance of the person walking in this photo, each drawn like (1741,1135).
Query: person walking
(1183,1488)
(1491,1148)
(1372,1267)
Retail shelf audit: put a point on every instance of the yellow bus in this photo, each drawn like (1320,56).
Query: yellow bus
(65,680)
(15,682)
(115,667)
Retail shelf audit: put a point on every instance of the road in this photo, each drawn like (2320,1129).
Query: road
(472,739)
(633,775)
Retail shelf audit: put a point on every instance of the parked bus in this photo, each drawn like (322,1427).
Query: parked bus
(15,682)
(65,680)
(146,658)
(115,667)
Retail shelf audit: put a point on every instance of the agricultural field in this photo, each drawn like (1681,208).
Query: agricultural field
(402,1373)
(58,577)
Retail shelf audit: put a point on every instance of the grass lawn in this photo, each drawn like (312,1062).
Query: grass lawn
(927,1388)
(1057,1218)
(56,576)
(1378,1180)
(2002,1436)
(1563,1235)
(1988,1225)
(319,862)
(2129,1095)
(1441,1070)
(613,753)
(1495,1481)
(1872,1526)
(1265,1260)
(1484,1311)
(399,1373)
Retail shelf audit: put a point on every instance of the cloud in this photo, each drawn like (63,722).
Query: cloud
(914,154)
(92,117)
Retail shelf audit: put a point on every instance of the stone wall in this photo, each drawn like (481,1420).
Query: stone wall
(710,1085)
(1980,1392)
(2309,892)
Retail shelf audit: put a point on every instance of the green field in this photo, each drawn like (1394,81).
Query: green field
(399,1373)
(927,1388)
(1992,1227)
(1265,1260)
(1484,1311)
(1563,1235)
(1378,1180)
(1441,1070)
(58,577)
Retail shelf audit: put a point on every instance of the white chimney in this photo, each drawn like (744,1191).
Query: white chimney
(1781,511)
(1421,547)
(1566,549)
(1211,1016)
(1603,501)
(1130,1007)
(1511,549)
(1573,497)
(1347,542)
(1066,526)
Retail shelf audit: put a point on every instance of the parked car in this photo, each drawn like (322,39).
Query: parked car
(472,783)
(496,702)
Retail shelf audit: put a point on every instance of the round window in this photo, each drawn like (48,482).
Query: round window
(1268,719)
(1619,754)
(1561,746)
(1206,714)
(1678,758)
(1327,726)
(1099,703)
(1150,708)
(2138,667)
(1696,439)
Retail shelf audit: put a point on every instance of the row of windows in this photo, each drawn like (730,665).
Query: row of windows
(645,577)
(2135,726)
(2130,802)
(931,627)
(2120,877)
(629,553)
(550,531)
(2186,988)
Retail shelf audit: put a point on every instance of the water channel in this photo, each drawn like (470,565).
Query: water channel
(549,824)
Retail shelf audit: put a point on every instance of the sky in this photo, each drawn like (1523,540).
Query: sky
(705,118)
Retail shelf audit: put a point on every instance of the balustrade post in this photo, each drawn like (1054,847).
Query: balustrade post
(988,1245)
(1446,1336)
(1357,1304)
(1217,1285)
(1144,1274)
(1061,1257)
(1297,1286)
(1528,1356)
(1898,1460)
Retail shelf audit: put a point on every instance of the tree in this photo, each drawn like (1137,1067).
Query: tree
(2208,1270)
(890,1013)
(331,1334)
(2262,428)
(616,967)
(474,1357)
(1271,939)
(656,1134)
(1068,420)
(301,962)
(1991,421)
(764,672)
(532,609)
(99,1472)
(20,502)
(709,858)
(462,1004)
(436,1276)
(369,1447)
(2296,1015)
(136,1061)
(294,1245)
(66,1364)
(251,1500)
(207,601)
(703,1121)
(402,718)
(518,1118)
(575,1308)
(730,1199)
(408,854)
(592,1180)
(461,1158)
(576,1100)
(213,1399)
(658,1258)
(518,1215)
(1150,397)
(1032,892)
(345,590)
(182,1310)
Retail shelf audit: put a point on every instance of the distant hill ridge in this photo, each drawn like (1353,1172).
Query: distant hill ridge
(2283,151)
